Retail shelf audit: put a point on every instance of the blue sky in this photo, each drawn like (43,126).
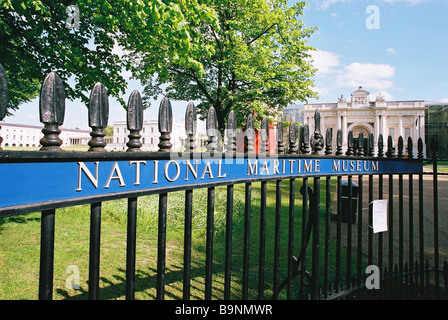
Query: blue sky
(397,47)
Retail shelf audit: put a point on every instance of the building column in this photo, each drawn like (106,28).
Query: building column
(344,131)
(383,128)
(400,126)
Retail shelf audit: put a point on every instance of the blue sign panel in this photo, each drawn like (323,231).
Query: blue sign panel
(43,182)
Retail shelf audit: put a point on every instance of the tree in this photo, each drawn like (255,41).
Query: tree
(35,39)
(254,59)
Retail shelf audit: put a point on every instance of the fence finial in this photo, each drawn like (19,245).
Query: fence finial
(165,125)
(400,147)
(317,140)
(380,146)
(371,145)
(264,132)
(420,148)
(211,126)
(410,148)
(134,121)
(98,117)
(328,142)
(361,151)
(350,144)
(390,148)
(250,134)
(52,111)
(339,143)
(306,140)
(4,97)
(280,146)
(190,127)
(231,132)
(292,138)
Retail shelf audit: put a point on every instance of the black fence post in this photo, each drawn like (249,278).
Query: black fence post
(46,255)
(435,150)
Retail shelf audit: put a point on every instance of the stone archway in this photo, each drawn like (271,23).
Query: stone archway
(356,128)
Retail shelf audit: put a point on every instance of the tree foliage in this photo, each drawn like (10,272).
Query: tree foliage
(242,55)
(255,58)
(35,40)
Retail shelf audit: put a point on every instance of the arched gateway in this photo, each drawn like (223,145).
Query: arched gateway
(390,118)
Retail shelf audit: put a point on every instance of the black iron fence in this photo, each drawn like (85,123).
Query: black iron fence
(337,253)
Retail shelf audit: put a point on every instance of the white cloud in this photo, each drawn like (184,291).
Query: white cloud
(324,61)
(368,75)
(444,100)
(391,50)
(327,3)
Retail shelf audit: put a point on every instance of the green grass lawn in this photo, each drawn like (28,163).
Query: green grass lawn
(20,246)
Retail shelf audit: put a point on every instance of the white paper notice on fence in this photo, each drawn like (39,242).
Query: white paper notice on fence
(379,215)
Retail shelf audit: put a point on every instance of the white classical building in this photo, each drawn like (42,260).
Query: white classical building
(360,114)
(149,136)
(22,135)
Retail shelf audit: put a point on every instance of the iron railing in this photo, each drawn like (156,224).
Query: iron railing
(312,267)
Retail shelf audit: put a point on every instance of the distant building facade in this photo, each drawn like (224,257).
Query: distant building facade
(21,135)
(360,114)
(149,136)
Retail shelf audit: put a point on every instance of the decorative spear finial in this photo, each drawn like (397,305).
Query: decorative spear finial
(361,144)
(98,117)
(400,147)
(292,138)
(390,148)
(371,145)
(380,146)
(280,147)
(410,148)
(52,111)
(134,121)
(165,125)
(339,143)
(190,127)
(211,126)
(350,144)
(317,140)
(231,132)
(306,140)
(264,133)
(250,134)
(329,141)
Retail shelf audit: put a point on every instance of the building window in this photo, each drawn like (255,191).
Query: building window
(392,133)
(407,133)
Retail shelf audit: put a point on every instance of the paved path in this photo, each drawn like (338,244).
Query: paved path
(428,219)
